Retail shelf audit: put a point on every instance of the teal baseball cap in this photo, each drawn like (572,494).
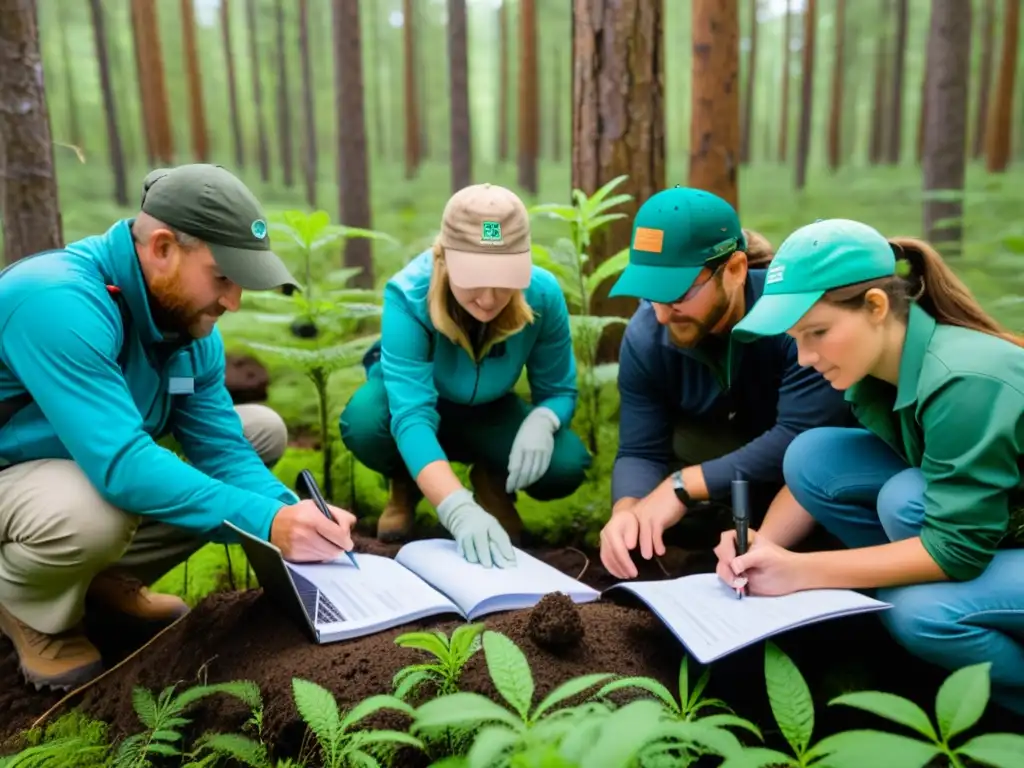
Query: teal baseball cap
(828,254)
(676,233)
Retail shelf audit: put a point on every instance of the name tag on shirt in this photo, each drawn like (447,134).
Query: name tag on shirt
(181,385)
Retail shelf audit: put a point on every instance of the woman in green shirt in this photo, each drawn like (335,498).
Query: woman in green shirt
(922,494)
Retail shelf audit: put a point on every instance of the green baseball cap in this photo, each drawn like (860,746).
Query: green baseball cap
(675,233)
(828,254)
(212,204)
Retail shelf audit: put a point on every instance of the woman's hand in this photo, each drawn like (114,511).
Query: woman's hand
(766,568)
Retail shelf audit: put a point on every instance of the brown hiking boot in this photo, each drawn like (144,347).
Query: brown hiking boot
(489,490)
(117,592)
(62,661)
(396,521)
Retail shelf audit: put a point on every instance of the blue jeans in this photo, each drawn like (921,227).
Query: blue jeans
(864,494)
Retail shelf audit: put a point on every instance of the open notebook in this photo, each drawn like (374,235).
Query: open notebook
(337,601)
(704,613)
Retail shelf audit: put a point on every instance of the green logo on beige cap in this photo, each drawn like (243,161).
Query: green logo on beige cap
(491,232)
(259,228)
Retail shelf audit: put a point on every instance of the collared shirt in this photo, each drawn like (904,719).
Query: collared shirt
(759,388)
(958,415)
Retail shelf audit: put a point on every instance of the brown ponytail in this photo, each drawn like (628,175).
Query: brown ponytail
(759,250)
(923,277)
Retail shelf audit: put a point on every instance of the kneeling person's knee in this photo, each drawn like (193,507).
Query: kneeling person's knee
(365,427)
(567,471)
(265,430)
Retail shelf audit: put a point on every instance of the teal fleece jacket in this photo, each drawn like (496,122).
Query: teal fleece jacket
(61,335)
(420,365)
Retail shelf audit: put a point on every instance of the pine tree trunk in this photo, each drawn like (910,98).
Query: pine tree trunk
(803,139)
(28,180)
(155,82)
(877,143)
(895,113)
(458,76)
(229,63)
(618,123)
(412,128)
(948,64)
(114,148)
(787,37)
(715,99)
(262,149)
(528,137)
(835,112)
(284,107)
(988,35)
(309,165)
(353,174)
(997,149)
(197,113)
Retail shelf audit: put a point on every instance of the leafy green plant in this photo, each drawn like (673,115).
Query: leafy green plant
(163,717)
(959,704)
(340,745)
(71,741)
(450,657)
(685,707)
(569,260)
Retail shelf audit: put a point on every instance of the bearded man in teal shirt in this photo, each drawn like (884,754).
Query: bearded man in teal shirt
(109,344)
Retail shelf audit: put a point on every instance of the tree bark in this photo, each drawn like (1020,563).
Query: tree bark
(948,64)
(310,161)
(715,99)
(284,107)
(197,113)
(412,128)
(114,147)
(895,113)
(1000,127)
(877,142)
(262,149)
(787,37)
(803,139)
(748,96)
(618,122)
(988,34)
(353,174)
(835,118)
(528,137)
(31,206)
(458,75)
(150,61)
(229,64)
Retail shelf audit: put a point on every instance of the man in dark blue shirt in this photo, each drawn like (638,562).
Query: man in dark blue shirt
(692,399)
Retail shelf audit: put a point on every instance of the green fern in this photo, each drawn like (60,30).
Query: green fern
(73,740)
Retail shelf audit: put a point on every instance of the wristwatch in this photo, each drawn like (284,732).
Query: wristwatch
(680,488)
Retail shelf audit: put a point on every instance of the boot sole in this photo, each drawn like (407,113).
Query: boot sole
(65,683)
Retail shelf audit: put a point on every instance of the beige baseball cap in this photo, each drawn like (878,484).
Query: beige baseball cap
(485,231)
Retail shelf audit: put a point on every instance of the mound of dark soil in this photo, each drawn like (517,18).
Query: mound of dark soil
(246,379)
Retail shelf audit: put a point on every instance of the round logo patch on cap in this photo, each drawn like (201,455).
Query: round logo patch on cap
(259,228)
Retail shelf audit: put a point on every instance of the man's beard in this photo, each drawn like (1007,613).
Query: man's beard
(172,312)
(701,329)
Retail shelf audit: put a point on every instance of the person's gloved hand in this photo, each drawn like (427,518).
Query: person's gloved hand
(479,537)
(532,449)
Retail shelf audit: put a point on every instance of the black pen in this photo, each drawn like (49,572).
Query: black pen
(740,518)
(318,499)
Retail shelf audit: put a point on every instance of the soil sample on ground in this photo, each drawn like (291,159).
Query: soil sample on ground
(555,622)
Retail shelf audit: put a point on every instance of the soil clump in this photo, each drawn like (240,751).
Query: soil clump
(555,622)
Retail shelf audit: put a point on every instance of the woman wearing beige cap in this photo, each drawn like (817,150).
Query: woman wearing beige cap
(461,321)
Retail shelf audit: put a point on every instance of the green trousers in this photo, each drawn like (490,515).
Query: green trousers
(468,434)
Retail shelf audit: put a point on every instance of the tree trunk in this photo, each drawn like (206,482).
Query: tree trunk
(877,143)
(195,84)
(787,37)
(31,207)
(71,91)
(503,83)
(618,123)
(835,116)
(748,96)
(310,161)
(923,117)
(715,99)
(948,63)
(114,148)
(412,128)
(528,137)
(353,174)
(458,76)
(284,107)
(803,139)
(150,61)
(997,149)
(425,59)
(988,35)
(229,63)
(257,92)
(895,113)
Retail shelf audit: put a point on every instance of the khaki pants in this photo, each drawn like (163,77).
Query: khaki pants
(57,533)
